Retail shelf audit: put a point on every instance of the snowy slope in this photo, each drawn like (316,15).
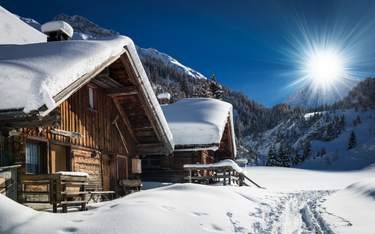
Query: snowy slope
(169,61)
(357,158)
(15,31)
(313,95)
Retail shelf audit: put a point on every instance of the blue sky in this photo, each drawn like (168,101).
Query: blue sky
(253,46)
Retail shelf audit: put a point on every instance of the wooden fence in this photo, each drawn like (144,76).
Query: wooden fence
(216,173)
(58,188)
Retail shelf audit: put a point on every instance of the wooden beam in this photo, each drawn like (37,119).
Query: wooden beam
(156,148)
(128,90)
(35,121)
(75,135)
(125,119)
(146,101)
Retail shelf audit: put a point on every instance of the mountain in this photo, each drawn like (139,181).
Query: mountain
(169,61)
(84,28)
(14,31)
(313,94)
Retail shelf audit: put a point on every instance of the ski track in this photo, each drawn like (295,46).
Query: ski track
(296,212)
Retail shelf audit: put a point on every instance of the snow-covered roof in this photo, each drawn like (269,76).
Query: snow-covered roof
(224,163)
(164,95)
(198,121)
(31,75)
(57,25)
(15,31)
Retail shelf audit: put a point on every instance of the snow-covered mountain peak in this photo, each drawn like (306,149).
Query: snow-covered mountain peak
(314,94)
(85,29)
(169,61)
(84,26)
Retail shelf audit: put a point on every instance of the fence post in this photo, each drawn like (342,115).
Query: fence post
(190,176)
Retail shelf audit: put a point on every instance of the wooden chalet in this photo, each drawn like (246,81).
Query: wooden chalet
(99,124)
(203,134)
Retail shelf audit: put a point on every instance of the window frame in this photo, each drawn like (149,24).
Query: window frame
(43,161)
(92,97)
(37,171)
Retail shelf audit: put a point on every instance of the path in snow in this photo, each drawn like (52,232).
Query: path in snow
(298,212)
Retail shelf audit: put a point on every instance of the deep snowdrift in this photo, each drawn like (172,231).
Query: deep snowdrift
(284,207)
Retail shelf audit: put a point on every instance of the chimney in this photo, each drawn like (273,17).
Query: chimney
(164,98)
(57,31)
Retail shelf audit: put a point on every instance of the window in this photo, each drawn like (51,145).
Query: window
(36,157)
(93,103)
(32,158)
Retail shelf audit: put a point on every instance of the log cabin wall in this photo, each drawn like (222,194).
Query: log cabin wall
(84,155)
(95,125)
(170,168)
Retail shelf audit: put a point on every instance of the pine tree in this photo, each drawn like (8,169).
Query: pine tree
(271,159)
(216,88)
(204,90)
(354,123)
(358,120)
(306,151)
(185,85)
(283,155)
(155,76)
(352,140)
(323,151)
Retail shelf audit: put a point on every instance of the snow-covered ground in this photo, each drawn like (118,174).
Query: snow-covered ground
(291,201)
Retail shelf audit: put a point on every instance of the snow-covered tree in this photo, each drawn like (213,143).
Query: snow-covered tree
(306,151)
(352,140)
(271,159)
(216,88)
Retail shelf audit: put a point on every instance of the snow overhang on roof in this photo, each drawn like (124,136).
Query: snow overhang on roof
(57,25)
(198,121)
(32,75)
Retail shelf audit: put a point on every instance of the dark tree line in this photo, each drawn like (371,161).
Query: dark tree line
(180,85)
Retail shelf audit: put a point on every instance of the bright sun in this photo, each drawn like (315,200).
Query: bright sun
(324,67)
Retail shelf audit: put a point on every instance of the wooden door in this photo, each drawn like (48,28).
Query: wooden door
(122,167)
(58,158)
(109,167)
(58,163)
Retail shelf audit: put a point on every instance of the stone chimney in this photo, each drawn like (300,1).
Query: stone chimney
(164,98)
(57,31)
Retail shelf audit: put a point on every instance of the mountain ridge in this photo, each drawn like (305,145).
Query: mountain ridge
(313,95)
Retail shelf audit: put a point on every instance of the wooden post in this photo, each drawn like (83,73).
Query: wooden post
(230,177)
(83,198)
(54,204)
(64,197)
(225,173)
(190,173)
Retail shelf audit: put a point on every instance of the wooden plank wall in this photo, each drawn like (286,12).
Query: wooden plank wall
(86,161)
(94,125)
